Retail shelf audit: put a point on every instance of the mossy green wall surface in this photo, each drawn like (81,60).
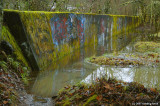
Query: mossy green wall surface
(7,36)
(50,36)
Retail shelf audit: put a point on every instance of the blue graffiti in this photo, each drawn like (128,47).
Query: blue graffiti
(62,28)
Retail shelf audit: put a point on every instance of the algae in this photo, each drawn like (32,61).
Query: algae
(10,10)
(39,33)
(147,47)
(127,60)
(6,35)
(115,61)
(90,99)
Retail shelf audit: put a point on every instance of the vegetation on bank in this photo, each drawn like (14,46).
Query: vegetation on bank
(146,53)
(107,92)
(13,75)
(14,70)
(128,60)
(115,61)
(111,91)
(147,47)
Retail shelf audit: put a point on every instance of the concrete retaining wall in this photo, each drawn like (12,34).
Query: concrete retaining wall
(45,37)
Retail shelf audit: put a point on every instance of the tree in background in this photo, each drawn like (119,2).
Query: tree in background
(140,5)
(34,5)
(83,6)
(142,8)
(41,5)
(107,6)
(153,11)
(148,10)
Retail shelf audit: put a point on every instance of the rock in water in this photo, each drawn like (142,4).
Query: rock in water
(6,47)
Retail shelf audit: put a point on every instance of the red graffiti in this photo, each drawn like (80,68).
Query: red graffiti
(102,26)
(80,29)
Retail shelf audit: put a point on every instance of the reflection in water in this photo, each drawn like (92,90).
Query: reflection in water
(50,82)
(69,70)
(72,69)
(148,76)
(125,74)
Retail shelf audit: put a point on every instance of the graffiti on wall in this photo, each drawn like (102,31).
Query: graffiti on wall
(81,27)
(64,29)
(102,32)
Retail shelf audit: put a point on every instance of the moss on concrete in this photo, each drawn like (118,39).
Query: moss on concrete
(39,34)
(6,35)
(38,29)
(65,12)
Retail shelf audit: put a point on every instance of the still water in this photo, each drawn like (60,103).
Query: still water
(73,68)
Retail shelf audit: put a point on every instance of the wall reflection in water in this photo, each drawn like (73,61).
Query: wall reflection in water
(72,68)
(148,76)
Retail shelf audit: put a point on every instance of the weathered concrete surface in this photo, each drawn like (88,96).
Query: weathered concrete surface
(12,21)
(45,37)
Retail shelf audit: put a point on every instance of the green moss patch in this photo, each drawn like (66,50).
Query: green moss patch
(115,61)
(128,60)
(6,35)
(105,92)
(147,46)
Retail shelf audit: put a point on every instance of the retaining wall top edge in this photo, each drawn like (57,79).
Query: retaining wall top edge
(48,12)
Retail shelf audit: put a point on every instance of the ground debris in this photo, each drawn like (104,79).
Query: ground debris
(105,92)
(115,61)
(11,84)
(146,46)
(128,60)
